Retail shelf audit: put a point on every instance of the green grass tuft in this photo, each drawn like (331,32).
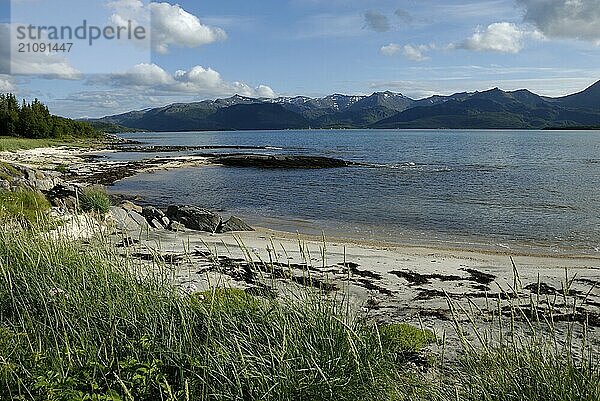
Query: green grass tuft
(26,206)
(95,199)
(81,323)
(404,338)
(8,172)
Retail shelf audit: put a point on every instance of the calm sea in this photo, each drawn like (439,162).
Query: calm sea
(500,189)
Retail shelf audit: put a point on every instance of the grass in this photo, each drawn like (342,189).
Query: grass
(95,199)
(12,144)
(79,322)
(27,206)
(8,172)
(529,371)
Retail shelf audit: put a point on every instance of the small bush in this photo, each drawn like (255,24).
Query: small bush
(404,338)
(94,199)
(26,206)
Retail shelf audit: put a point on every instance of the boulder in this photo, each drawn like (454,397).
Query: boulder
(138,218)
(127,221)
(234,224)
(63,196)
(156,224)
(152,213)
(195,218)
(131,207)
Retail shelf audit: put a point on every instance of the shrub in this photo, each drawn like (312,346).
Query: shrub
(404,338)
(94,199)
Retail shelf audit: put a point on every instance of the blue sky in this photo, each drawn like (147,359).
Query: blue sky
(315,48)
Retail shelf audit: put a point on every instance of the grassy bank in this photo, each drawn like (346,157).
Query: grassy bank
(12,144)
(80,322)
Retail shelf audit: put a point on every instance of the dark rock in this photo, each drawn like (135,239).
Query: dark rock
(195,218)
(156,217)
(279,161)
(150,212)
(234,224)
(63,196)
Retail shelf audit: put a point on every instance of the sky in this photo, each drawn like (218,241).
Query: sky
(212,49)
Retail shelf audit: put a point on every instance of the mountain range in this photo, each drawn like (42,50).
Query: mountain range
(494,108)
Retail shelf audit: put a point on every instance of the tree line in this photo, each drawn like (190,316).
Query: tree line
(33,120)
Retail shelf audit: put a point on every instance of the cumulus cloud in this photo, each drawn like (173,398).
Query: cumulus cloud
(391,49)
(198,80)
(570,19)
(171,24)
(6,84)
(416,53)
(376,21)
(411,52)
(502,37)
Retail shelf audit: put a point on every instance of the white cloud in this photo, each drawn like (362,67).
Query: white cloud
(411,52)
(570,19)
(6,84)
(170,24)
(416,53)
(502,37)
(200,81)
(391,49)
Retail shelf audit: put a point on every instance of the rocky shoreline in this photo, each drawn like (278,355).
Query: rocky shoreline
(413,284)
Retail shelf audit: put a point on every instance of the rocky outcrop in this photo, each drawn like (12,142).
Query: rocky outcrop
(195,218)
(63,196)
(127,221)
(279,161)
(234,224)
(156,217)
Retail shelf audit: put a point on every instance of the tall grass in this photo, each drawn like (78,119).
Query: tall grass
(27,206)
(95,199)
(82,323)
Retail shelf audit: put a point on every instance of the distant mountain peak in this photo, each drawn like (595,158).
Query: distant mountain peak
(492,108)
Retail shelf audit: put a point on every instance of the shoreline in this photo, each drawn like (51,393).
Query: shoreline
(86,166)
(394,282)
